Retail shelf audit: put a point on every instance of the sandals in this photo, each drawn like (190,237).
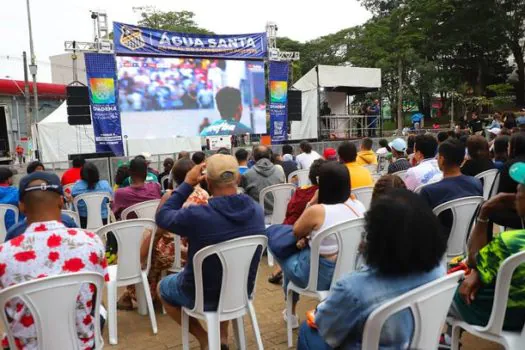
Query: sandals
(276,279)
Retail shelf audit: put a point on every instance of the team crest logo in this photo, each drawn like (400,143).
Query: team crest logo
(132,38)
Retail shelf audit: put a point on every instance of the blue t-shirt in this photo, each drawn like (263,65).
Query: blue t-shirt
(81,187)
(9,195)
(17,229)
(243,169)
(449,189)
(226,127)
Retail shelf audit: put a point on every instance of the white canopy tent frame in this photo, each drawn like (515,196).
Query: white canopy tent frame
(331,79)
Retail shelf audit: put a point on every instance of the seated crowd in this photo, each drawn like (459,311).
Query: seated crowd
(209,200)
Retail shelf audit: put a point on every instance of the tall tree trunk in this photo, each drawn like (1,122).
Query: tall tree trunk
(517,51)
(400,119)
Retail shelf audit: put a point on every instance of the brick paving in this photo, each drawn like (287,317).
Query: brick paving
(135,330)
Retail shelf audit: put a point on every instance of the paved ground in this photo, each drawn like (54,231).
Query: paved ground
(135,330)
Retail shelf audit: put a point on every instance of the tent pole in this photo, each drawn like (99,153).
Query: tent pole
(319,136)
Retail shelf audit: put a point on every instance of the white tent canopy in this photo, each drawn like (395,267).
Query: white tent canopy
(341,79)
(57,139)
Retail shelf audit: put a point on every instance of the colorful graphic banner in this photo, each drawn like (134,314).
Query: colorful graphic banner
(278,101)
(101,76)
(133,40)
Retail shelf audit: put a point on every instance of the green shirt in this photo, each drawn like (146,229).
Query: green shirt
(489,260)
(150,177)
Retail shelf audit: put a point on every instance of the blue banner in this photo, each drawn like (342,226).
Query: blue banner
(139,41)
(278,74)
(102,81)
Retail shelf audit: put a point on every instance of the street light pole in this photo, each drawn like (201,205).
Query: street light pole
(33,69)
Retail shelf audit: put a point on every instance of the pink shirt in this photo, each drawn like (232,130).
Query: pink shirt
(128,196)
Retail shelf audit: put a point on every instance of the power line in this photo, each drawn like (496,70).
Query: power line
(46,63)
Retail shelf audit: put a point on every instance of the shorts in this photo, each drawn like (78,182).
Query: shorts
(171,292)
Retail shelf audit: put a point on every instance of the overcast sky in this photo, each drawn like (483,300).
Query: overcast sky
(55,21)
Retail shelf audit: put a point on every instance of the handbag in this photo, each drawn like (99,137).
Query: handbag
(281,241)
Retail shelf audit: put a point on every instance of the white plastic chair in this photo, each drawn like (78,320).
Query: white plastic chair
(372,168)
(282,193)
(234,302)
(493,331)
(348,235)
(429,305)
(73,215)
(463,211)
(402,174)
(302,177)
(4,208)
(129,271)
(419,188)
(93,201)
(162,180)
(144,210)
(364,195)
(52,302)
(487,178)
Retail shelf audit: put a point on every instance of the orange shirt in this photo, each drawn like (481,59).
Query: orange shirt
(359,175)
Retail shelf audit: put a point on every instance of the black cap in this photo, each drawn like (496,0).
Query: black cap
(51,183)
(5,174)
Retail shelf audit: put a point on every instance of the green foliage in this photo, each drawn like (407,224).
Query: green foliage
(175,21)
(501,89)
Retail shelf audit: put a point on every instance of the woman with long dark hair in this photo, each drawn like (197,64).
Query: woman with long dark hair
(90,182)
(330,206)
(403,248)
(479,156)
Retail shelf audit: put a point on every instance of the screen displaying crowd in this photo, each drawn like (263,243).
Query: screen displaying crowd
(194,96)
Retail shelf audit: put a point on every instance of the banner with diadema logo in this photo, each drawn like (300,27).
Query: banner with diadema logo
(133,40)
(278,101)
(101,76)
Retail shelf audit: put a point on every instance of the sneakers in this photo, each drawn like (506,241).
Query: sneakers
(295,320)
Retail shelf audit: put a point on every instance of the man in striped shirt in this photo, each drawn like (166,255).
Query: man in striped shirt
(400,162)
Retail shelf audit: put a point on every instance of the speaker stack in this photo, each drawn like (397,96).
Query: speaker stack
(295,105)
(78,105)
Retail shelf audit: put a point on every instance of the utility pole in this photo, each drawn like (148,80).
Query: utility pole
(32,68)
(27,97)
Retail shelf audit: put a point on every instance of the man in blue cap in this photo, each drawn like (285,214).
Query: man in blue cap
(475,296)
(48,248)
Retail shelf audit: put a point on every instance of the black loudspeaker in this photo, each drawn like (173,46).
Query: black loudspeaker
(295,105)
(86,156)
(78,105)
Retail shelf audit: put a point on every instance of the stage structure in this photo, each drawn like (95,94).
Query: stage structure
(333,87)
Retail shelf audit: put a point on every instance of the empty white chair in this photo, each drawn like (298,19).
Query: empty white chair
(93,201)
(144,210)
(364,195)
(348,235)
(493,331)
(463,211)
(73,215)
(52,302)
(488,178)
(4,209)
(302,177)
(234,302)
(129,271)
(282,194)
(402,174)
(429,305)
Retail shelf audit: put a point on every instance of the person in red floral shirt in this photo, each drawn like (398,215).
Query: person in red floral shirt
(48,248)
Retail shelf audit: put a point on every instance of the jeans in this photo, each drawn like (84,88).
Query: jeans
(310,339)
(296,269)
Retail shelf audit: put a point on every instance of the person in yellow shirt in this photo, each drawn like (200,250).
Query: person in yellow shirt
(359,175)
(366,156)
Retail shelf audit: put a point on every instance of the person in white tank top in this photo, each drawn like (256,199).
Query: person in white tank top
(330,206)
